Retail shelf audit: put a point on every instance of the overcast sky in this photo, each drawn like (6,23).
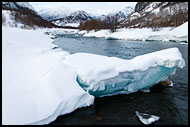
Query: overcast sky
(91,7)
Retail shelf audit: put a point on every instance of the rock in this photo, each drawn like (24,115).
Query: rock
(163,84)
(141,5)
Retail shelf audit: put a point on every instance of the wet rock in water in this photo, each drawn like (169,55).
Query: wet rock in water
(162,84)
(55,47)
(146,118)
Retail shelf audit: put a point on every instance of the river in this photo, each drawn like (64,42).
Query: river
(170,104)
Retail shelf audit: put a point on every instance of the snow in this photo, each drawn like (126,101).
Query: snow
(179,33)
(26,5)
(9,20)
(55,13)
(37,86)
(9,4)
(97,74)
(72,24)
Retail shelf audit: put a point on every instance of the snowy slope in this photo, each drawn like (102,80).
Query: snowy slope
(74,18)
(181,30)
(26,5)
(18,5)
(158,14)
(123,13)
(55,13)
(22,15)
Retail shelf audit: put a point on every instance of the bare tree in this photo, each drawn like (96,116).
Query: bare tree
(112,22)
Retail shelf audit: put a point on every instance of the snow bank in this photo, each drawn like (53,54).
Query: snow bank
(179,34)
(105,76)
(37,86)
(180,31)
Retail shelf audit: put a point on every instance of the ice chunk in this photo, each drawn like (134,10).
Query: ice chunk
(105,76)
(146,118)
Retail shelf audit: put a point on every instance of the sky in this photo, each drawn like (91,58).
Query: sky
(91,7)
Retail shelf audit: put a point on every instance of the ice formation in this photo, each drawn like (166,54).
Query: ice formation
(105,76)
(146,118)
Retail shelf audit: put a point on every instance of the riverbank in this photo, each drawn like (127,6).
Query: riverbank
(178,34)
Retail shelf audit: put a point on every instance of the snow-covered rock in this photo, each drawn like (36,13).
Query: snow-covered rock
(106,76)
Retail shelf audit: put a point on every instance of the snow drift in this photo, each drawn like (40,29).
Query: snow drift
(37,85)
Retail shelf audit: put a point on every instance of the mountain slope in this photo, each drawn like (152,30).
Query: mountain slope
(55,13)
(22,13)
(157,14)
(75,17)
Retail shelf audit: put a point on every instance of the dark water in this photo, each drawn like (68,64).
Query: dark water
(170,104)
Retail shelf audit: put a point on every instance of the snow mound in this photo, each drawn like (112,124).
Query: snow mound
(106,76)
(37,86)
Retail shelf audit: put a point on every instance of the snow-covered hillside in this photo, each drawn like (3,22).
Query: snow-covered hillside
(55,13)
(123,13)
(158,14)
(23,15)
(18,5)
(74,18)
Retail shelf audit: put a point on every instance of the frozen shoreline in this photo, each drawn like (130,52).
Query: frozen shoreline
(178,34)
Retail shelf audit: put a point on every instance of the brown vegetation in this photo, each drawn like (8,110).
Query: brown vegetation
(110,22)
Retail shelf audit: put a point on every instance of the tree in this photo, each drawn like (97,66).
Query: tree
(112,22)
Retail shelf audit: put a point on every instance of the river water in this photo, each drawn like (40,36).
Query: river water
(170,104)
